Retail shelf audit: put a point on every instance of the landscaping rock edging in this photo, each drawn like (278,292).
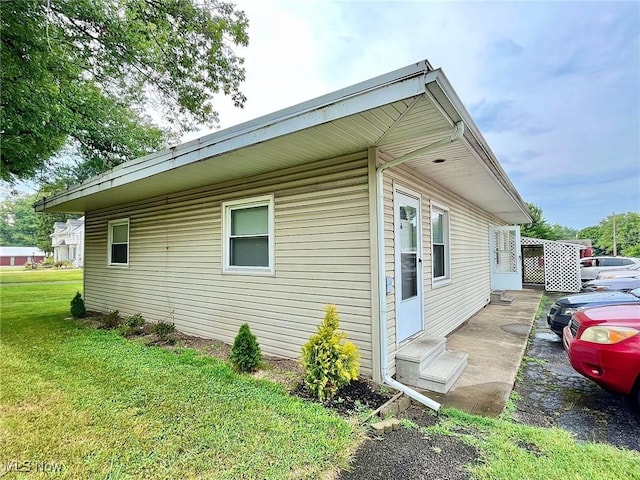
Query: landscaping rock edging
(398,404)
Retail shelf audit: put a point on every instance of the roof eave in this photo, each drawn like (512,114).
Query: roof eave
(448,99)
(403,83)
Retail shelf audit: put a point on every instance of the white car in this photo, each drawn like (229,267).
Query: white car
(625,272)
(590,267)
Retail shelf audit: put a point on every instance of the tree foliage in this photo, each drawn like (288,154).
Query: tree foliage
(627,228)
(539,228)
(20,225)
(84,72)
(18,221)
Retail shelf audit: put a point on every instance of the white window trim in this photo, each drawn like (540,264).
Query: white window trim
(446,279)
(121,221)
(226,208)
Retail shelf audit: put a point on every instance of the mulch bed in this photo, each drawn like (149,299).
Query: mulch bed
(358,396)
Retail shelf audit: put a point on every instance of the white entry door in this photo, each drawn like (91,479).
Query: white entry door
(506,261)
(408,263)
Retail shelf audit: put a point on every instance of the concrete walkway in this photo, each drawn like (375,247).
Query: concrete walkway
(495,339)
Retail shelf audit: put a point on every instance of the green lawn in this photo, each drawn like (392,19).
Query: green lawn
(106,407)
(21,275)
(510,450)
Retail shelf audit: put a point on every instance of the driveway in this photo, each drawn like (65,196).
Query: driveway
(553,394)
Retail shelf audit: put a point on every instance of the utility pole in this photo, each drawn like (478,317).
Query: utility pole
(615,243)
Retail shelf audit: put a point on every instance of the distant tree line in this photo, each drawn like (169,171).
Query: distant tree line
(627,232)
(20,225)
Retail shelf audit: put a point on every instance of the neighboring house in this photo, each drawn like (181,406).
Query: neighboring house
(382,198)
(67,241)
(14,256)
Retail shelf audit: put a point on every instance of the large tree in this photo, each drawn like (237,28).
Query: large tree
(20,225)
(627,234)
(86,73)
(539,228)
(18,221)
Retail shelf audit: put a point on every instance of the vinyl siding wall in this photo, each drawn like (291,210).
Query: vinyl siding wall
(446,307)
(322,256)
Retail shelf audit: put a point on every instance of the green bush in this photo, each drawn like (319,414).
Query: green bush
(78,309)
(164,330)
(245,352)
(110,320)
(328,362)
(132,325)
(47,262)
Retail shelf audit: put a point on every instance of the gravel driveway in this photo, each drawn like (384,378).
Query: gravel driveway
(551,394)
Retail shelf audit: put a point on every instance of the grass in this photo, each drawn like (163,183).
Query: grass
(510,450)
(21,275)
(103,406)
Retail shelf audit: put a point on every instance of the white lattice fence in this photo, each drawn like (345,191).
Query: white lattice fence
(560,264)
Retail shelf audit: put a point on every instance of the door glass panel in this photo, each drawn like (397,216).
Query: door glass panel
(506,258)
(408,251)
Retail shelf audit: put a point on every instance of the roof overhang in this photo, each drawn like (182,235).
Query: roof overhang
(399,112)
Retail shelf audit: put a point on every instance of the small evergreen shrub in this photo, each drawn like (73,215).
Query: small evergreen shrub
(329,362)
(163,330)
(110,320)
(132,325)
(78,309)
(245,352)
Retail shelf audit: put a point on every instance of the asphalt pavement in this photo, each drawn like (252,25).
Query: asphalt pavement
(552,393)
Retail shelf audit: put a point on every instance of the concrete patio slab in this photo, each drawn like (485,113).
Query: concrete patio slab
(495,339)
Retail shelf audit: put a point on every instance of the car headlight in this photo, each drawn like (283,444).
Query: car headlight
(570,311)
(607,334)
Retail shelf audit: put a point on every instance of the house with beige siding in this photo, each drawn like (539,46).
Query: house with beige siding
(382,198)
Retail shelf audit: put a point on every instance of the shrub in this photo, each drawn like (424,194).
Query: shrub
(110,320)
(245,352)
(47,262)
(164,329)
(328,362)
(132,325)
(78,309)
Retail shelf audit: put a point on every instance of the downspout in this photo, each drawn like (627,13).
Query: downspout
(382,294)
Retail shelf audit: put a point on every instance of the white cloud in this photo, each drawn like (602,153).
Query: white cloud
(556,84)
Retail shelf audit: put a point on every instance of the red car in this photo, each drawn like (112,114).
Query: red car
(603,344)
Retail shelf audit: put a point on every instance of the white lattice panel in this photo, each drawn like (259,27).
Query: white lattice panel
(562,268)
(561,265)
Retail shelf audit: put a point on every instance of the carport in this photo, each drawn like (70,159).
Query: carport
(556,265)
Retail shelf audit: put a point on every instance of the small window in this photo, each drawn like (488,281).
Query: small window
(119,242)
(248,237)
(440,242)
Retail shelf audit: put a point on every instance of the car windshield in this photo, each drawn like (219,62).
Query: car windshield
(635,292)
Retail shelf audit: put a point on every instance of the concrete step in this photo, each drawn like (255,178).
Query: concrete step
(500,297)
(421,351)
(425,363)
(444,372)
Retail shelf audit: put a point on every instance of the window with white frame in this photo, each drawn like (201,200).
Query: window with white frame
(248,235)
(119,242)
(440,242)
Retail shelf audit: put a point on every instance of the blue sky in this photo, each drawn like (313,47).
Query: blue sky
(553,86)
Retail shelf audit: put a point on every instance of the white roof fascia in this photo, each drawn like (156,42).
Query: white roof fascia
(391,87)
(471,129)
